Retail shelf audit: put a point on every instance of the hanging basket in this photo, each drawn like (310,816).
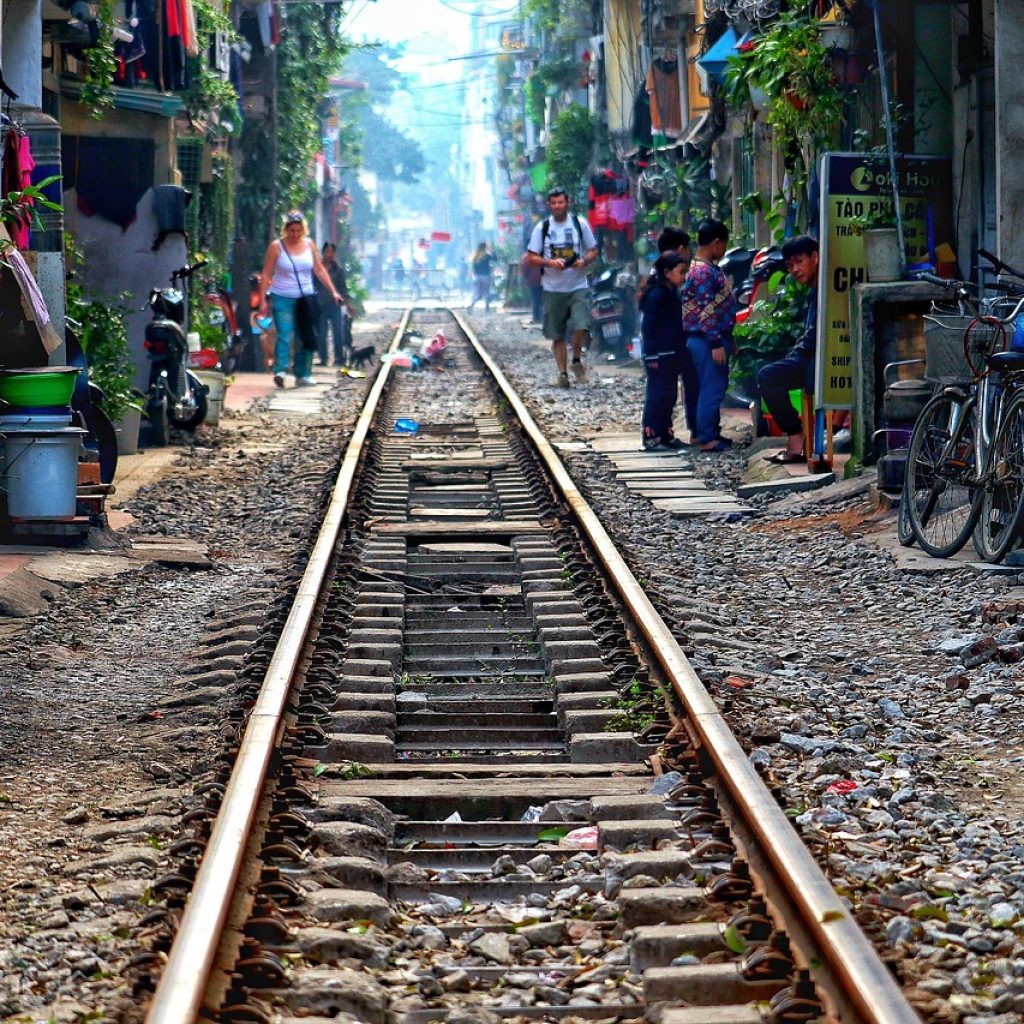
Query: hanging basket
(837,35)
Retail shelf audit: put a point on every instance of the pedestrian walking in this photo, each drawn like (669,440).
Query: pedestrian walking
(336,316)
(482,265)
(709,316)
(289,266)
(563,246)
(662,332)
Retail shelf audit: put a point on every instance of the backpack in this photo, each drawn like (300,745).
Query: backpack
(546,227)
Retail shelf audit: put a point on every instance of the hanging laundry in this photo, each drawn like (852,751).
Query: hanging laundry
(640,127)
(17,176)
(103,192)
(663,89)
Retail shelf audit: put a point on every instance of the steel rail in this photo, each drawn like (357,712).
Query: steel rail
(179,994)
(866,982)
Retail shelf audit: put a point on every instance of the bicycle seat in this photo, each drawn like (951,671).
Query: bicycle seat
(1006,362)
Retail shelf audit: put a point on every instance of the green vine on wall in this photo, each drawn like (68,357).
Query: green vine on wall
(309,54)
(100,63)
(209,92)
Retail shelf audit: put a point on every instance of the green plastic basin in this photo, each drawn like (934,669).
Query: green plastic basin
(42,385)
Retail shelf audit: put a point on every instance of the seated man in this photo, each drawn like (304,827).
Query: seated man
(796,368)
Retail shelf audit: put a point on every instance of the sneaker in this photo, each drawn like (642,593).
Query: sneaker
(278,380)
(655,446)
(673,444)
(580,372)
(563,381)
(304,382)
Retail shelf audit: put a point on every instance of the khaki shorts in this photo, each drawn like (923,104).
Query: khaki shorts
(566,312)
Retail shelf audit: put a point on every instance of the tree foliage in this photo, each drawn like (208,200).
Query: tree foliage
(387,151)
(569,149)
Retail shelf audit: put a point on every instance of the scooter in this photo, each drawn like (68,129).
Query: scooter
(765,264)
(176,397)
(224,315)
(613,311)
(736,264)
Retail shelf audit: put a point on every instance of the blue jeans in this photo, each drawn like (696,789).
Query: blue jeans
(283,309)
(714,380)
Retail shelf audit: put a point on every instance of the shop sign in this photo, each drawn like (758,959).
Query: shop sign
(857,185)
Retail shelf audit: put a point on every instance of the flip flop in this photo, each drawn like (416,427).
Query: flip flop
(784,458)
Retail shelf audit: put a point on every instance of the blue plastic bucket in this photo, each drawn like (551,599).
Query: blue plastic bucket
(44,418)
(40,473)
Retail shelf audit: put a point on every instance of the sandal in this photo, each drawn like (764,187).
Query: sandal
(784,458)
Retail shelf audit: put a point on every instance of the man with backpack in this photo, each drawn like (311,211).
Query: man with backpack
(563,246)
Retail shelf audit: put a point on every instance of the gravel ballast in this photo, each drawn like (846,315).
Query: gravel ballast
(884,703)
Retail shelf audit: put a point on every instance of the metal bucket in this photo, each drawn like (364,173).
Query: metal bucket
(215,381)
(40,473)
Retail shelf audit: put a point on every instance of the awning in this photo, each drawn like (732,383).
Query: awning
(712,65)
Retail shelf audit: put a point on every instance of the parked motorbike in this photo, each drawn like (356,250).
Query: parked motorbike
(613,311)
(764,264)
(224,314)
(176,397)
(736,264)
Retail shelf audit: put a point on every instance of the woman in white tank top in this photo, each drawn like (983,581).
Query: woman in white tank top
(288,270)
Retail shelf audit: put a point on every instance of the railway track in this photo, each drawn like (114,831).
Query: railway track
(479,780)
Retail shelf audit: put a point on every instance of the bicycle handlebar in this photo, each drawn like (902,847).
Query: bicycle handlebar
(942,282)
(999,266)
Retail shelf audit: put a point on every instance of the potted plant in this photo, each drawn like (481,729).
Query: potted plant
(881,244)
(790,66)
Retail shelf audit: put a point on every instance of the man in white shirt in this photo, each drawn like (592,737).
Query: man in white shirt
(563,246)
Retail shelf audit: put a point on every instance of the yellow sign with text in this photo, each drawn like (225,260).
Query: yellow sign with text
(855,187)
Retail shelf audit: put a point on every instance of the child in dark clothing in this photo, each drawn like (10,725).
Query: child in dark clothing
(661,330)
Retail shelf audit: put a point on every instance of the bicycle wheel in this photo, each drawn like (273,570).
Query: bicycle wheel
(1002,503)
(904,531)
(941,475)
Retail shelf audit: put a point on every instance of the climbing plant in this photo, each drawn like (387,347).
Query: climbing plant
(209,92)
(100,63)
(310,52)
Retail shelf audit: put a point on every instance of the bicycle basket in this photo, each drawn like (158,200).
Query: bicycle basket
(944,347)
(984,337)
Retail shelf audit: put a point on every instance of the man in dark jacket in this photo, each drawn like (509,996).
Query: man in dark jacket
(796,368)
(330,311)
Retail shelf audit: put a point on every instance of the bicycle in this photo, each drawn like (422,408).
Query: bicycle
(963,479)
